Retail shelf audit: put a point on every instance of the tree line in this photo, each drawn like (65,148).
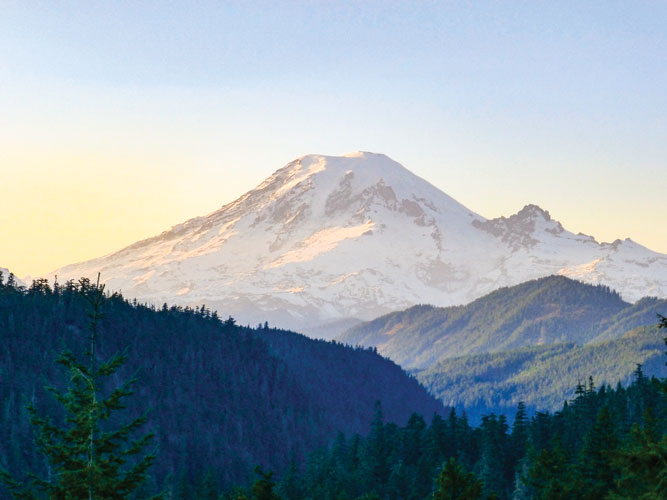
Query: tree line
(604,443)
(219,397)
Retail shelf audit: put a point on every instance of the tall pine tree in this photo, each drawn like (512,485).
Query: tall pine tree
(454,483)
(643,462)
(87,458)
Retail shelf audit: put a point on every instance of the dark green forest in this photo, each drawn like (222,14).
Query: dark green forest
(230,412)
(220,398)
(604,443)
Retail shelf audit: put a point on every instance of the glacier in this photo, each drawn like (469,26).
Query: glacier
(329,238)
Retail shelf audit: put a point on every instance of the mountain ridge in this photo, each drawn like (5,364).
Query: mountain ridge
(327,238)
(542,376)
(217,394)
(546,311)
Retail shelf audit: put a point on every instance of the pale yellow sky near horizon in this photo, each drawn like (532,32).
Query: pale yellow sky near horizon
(119,120)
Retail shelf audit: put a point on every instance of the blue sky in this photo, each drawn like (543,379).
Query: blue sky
(168,110)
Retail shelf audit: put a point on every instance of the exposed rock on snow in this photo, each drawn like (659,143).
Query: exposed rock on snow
(326,238)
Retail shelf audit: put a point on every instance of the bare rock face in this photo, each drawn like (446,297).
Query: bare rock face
(518,231)
(327,238)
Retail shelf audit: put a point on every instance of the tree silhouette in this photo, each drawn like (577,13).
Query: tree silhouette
(87,458)
(454,483)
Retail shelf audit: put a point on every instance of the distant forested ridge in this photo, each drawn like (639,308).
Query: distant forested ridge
(542,376)
(220,398)
(549,310)
(532,342)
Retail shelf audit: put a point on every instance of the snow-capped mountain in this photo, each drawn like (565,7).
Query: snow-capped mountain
(326,238)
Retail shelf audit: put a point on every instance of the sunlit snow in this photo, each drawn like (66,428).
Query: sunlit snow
(320,242)
(325,238)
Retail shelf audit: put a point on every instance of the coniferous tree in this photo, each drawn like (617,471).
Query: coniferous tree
(643,462)
(550,475)
(377,452)
(263,487)
(454,483)
(643,466)
(494,455)
(290,486)
(86,459)
(595,472)
(519,436)
(207,489)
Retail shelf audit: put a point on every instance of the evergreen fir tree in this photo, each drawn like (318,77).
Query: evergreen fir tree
(377,452)
(263,487)
(519,432)
(11,281)
(551,476)
(207,489)
(643,462)
(643,466)
(290,486)
(495,455)
(87,460)
(595,468)
(454,483)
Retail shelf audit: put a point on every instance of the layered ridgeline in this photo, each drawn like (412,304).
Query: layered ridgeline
(328,238)
(532,342)
(548,310)
(221,397)
(544,376)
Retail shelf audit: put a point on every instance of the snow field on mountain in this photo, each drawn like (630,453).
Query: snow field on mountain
(326,238)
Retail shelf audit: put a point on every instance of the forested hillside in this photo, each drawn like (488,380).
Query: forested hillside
(603,444)
(545,311)
(327,372)
(221,398)
(543,376)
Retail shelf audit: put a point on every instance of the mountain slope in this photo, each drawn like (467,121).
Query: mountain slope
(326,238)
(220,396)
(549,310)
(543,377)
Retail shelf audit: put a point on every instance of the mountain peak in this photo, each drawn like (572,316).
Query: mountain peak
(362,154)
(359,235)
(298,173)
(531,211)
(522,229)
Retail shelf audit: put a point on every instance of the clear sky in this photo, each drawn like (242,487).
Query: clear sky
(119,119)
